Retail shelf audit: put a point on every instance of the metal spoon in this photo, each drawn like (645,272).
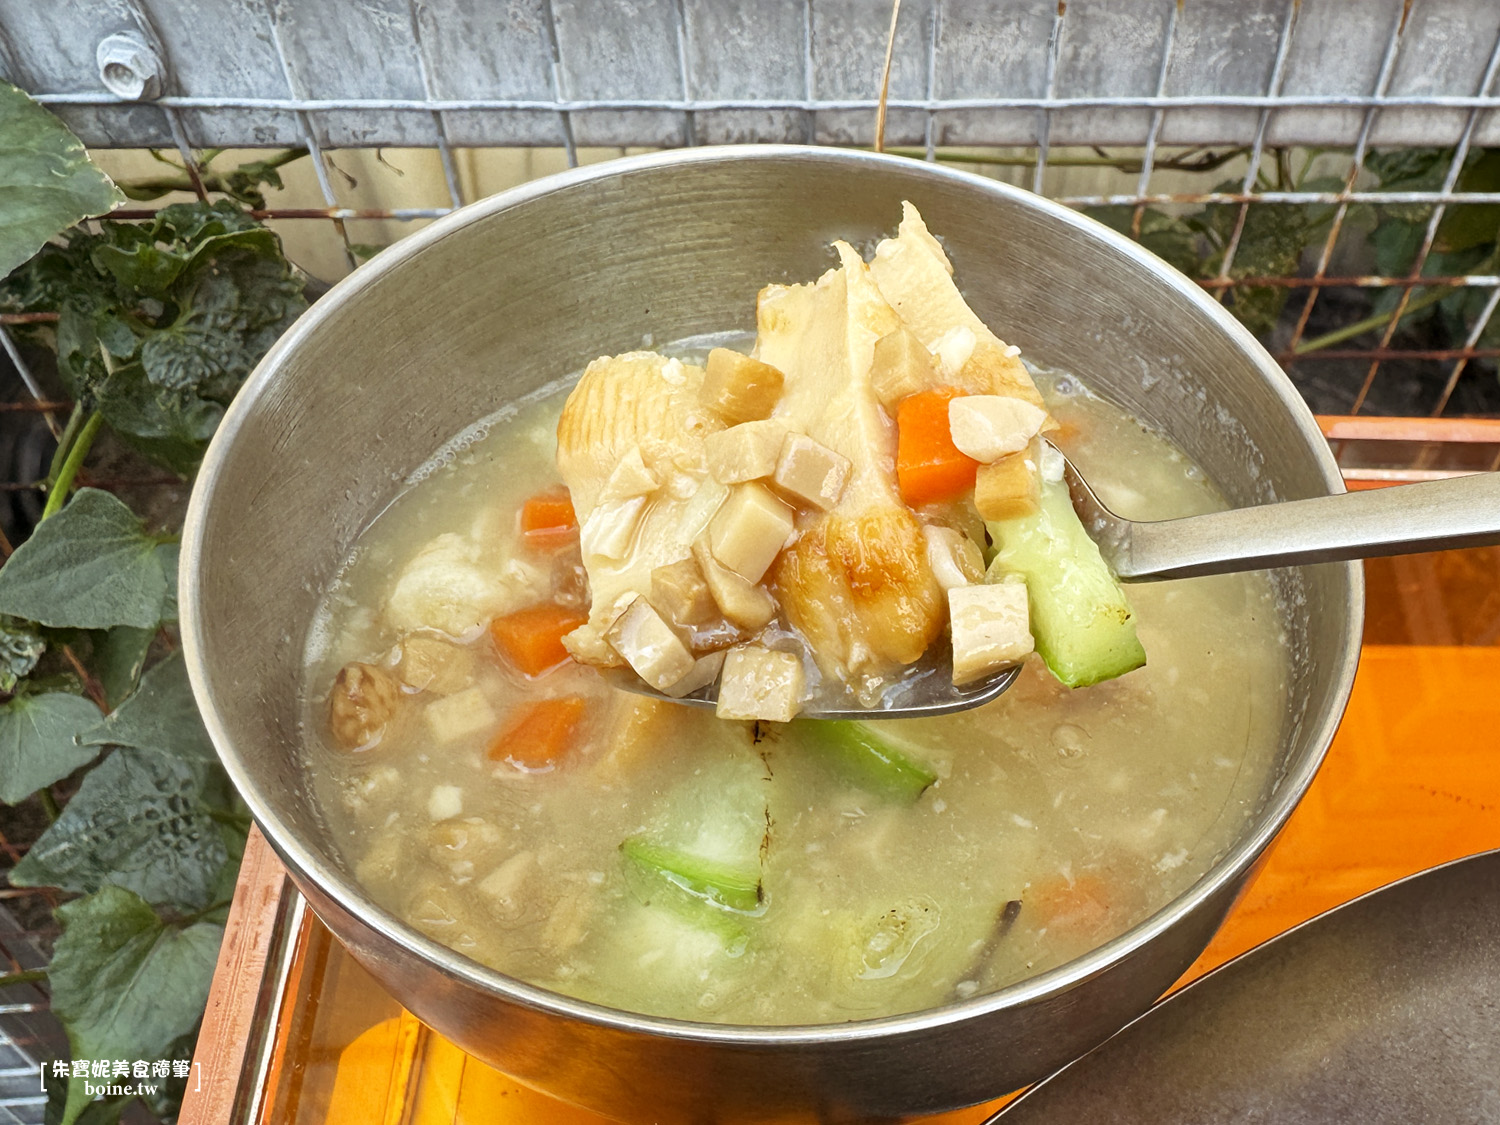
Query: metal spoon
(1431,516)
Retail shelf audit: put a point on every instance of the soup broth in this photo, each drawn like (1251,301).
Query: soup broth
(1058,819)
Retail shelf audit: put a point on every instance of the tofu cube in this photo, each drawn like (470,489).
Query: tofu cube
(748,532)
(748,451)
(991,627)
(679,591)
(459,715)
(987,427)
(741,602)
(954,558)
(650,646)
(759,683)
(738,388)
(1009,487)
(810,472)
(705,671)
(429,663)
(901,367)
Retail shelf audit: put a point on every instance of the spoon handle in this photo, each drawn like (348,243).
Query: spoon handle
(1431,516)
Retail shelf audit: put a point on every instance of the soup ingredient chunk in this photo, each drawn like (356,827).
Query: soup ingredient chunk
(362,705)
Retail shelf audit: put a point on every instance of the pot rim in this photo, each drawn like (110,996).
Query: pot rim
(313,867)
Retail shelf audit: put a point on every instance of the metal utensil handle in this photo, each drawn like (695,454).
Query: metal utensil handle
(1432,516)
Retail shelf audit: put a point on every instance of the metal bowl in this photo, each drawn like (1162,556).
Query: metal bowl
(508,294)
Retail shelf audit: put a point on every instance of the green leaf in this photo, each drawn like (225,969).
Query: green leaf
(119,656)
(1166,236)
(91,566)
(1466,226)
(172,428)
(21,647)
(47,182)
(38,744)
(161,715)
(138,822)
(125,984)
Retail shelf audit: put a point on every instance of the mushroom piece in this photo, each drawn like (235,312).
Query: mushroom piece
(361,705)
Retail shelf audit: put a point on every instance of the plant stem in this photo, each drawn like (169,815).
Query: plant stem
(64,478)
(1360,327)
(49,803)
(65,441)
(25,976)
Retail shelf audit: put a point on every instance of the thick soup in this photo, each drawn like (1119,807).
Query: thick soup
(501,798)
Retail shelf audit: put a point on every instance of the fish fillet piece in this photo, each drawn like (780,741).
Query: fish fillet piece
(915,276)
(856,583)
(631,412)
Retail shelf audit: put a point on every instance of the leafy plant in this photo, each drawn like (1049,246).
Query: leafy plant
(156,325)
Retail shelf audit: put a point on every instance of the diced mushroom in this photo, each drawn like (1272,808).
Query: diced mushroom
(460,715)
(988,427)
(901,367)
(679,591)
(748,451)
(650,646)
(748,532)
(954,557)
(432,664)
(990,627)
(809,472)
(705,670)
(743,603)
(361,705)
(1008,488)
(760,683)
(738,388)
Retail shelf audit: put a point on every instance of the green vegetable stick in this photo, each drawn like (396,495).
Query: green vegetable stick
(870,755)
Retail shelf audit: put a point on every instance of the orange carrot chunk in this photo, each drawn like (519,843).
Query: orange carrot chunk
(929,467)
(539,733)
(548,521)
(531,639)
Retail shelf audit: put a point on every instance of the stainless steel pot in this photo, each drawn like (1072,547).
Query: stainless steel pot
(513,292)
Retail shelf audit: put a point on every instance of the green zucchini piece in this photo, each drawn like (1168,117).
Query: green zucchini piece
(725,886)
(871,755)
(1083,625)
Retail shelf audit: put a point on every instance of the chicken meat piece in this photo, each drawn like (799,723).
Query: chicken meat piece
(856,582)
(630,448)
(915,276)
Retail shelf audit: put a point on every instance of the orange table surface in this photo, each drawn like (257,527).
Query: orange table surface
(1412,780)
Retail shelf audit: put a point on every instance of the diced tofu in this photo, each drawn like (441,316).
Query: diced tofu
(430,663)
(988,427)
(954,557)
(1009,487)
(650,646)
(748,532)
(680,591)
(738,388)
(630,478)
(990,627)
(811,472)
(459,715)
(901,367)
(748,451)
(743,603)
(705,671)
(445,802)
(759,683)
(610,528)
